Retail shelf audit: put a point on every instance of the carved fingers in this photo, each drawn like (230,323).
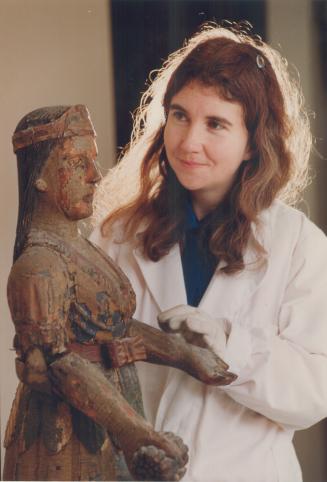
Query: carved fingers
(165,461)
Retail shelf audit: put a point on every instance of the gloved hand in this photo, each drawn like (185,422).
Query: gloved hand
(197,327)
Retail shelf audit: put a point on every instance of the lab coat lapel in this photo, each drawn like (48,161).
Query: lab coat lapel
(164,278)
(226,294)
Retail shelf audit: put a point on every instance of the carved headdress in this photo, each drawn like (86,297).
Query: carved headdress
(35,136)
(75,121)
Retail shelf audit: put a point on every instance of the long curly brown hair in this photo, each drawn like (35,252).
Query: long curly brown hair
(146,195)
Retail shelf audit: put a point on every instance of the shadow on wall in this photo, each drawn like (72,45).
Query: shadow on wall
(319,15)
(310,447)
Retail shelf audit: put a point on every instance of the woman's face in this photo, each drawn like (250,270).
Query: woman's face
(206,141)
(70,174)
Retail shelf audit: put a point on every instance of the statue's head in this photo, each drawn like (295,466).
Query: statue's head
(56,151)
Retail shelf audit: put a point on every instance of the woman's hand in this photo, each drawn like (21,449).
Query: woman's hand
(196,327)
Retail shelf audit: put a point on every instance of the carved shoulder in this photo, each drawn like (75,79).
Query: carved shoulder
(38,260)
(39,299)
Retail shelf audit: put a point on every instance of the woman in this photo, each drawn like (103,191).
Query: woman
(206,240)
(78,412)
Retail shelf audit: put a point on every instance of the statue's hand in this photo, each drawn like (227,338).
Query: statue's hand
(164,460)
(34,371)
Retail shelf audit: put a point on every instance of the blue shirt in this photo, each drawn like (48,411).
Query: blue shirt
(197,261)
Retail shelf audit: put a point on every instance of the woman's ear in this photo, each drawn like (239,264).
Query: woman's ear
(248,153)
(41,185)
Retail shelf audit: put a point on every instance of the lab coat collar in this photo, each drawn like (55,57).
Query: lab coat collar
(166,293)
(165,280)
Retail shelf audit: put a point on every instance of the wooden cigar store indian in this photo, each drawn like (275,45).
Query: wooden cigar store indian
(78,412)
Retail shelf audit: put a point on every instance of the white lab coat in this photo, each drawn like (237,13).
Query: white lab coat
(277,346)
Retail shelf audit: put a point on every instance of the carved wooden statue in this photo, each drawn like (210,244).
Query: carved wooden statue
(78,410)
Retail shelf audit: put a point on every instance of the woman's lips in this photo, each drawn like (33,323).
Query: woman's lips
(191,164)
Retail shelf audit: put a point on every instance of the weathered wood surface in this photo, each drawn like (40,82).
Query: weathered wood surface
(78,412)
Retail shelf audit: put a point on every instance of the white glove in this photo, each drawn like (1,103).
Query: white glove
(188,320)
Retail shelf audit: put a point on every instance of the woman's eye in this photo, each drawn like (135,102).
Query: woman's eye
(214,124)
(178,115)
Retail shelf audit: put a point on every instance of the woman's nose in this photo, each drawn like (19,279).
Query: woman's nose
(191,139)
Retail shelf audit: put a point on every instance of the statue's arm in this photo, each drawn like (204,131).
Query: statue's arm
(38,297)
(172,350)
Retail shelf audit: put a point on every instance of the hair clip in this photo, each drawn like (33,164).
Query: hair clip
(260,61)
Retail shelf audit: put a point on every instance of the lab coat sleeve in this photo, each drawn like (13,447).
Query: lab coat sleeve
(283,375)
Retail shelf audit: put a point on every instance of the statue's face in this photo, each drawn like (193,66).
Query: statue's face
(71,175)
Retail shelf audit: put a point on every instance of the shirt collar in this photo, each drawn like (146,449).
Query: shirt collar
(191,221)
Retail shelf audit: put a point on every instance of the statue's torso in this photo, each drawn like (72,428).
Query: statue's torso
(64,294)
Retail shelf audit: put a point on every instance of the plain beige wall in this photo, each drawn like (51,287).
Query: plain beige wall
(52,52)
